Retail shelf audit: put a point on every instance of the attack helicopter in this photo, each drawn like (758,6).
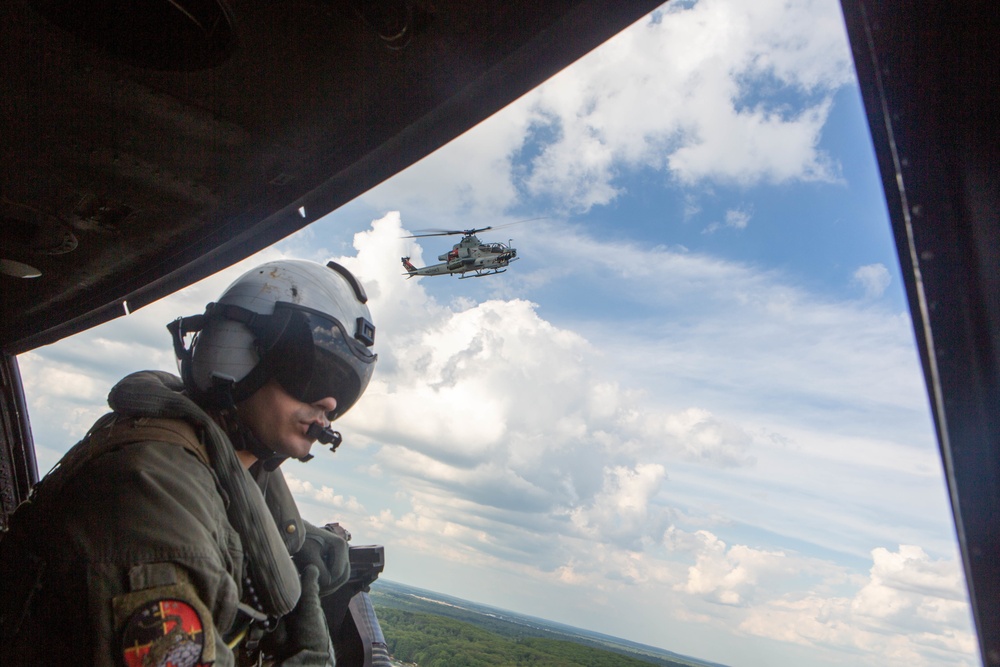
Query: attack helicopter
(470,255)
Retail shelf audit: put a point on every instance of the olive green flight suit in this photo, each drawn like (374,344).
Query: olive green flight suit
(127,554)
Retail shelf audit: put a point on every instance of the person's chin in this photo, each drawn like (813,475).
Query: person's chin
(296,450)
(304,450)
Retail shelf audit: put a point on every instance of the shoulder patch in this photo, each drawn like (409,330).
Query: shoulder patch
(163,633)
(167,626)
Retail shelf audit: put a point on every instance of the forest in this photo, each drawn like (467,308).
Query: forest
(430,640)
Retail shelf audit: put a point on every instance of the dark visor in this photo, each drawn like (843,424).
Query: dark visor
(341,364)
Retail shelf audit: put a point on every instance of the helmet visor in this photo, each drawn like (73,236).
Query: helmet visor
(339,366)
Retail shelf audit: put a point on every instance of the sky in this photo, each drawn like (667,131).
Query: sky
(691,414)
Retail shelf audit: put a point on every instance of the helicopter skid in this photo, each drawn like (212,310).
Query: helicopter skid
(482,274)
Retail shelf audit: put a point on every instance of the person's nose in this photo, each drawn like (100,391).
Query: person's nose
(327,405)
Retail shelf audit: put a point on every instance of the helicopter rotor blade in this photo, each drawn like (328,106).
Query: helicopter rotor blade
(420,236)
(519,222)
(421,233)
(445,232)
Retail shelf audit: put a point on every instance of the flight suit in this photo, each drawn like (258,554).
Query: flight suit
(128,553)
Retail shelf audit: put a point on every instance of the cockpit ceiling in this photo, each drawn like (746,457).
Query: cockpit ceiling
(141,152)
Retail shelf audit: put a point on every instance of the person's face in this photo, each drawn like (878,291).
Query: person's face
(280,421)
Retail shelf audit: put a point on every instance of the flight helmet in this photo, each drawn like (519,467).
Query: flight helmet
(304,324)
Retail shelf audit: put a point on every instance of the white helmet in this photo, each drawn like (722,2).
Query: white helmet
(304,324)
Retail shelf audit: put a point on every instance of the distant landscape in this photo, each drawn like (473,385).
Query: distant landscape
(433,630)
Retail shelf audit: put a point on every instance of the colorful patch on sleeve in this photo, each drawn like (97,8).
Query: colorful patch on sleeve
(163,633)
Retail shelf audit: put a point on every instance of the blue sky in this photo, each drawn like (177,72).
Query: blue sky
(690,415)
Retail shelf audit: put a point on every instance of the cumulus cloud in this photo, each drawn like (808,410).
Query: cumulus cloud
(622,511)
(873,279)
(323,495)
(486,397)
(495,404)
(518,442)
(698,435)
(735,331)
(729,575)
(489,401)
(60,379)
(689,107)
(907,588)
(735,219)
(913,610)
(652,98)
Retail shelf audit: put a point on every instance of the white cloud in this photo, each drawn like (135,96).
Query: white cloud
(907,586)
(734,332)
(729,575)
(489,400)
(873,279)
(694,107)
(697,435)
(737,219)
(61,381)
(622,510)
(912,611)
(519,441)
(653,97)
(470,178)
(323,495)
(494,403)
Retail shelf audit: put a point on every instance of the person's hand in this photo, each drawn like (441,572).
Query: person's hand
(302,638)
(328,551)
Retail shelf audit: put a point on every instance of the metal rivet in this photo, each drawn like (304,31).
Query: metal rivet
(290,529)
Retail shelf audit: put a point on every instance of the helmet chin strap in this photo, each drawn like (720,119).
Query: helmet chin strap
(241,436)
(267,457)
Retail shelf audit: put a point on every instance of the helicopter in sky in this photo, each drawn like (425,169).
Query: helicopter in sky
(470,255)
